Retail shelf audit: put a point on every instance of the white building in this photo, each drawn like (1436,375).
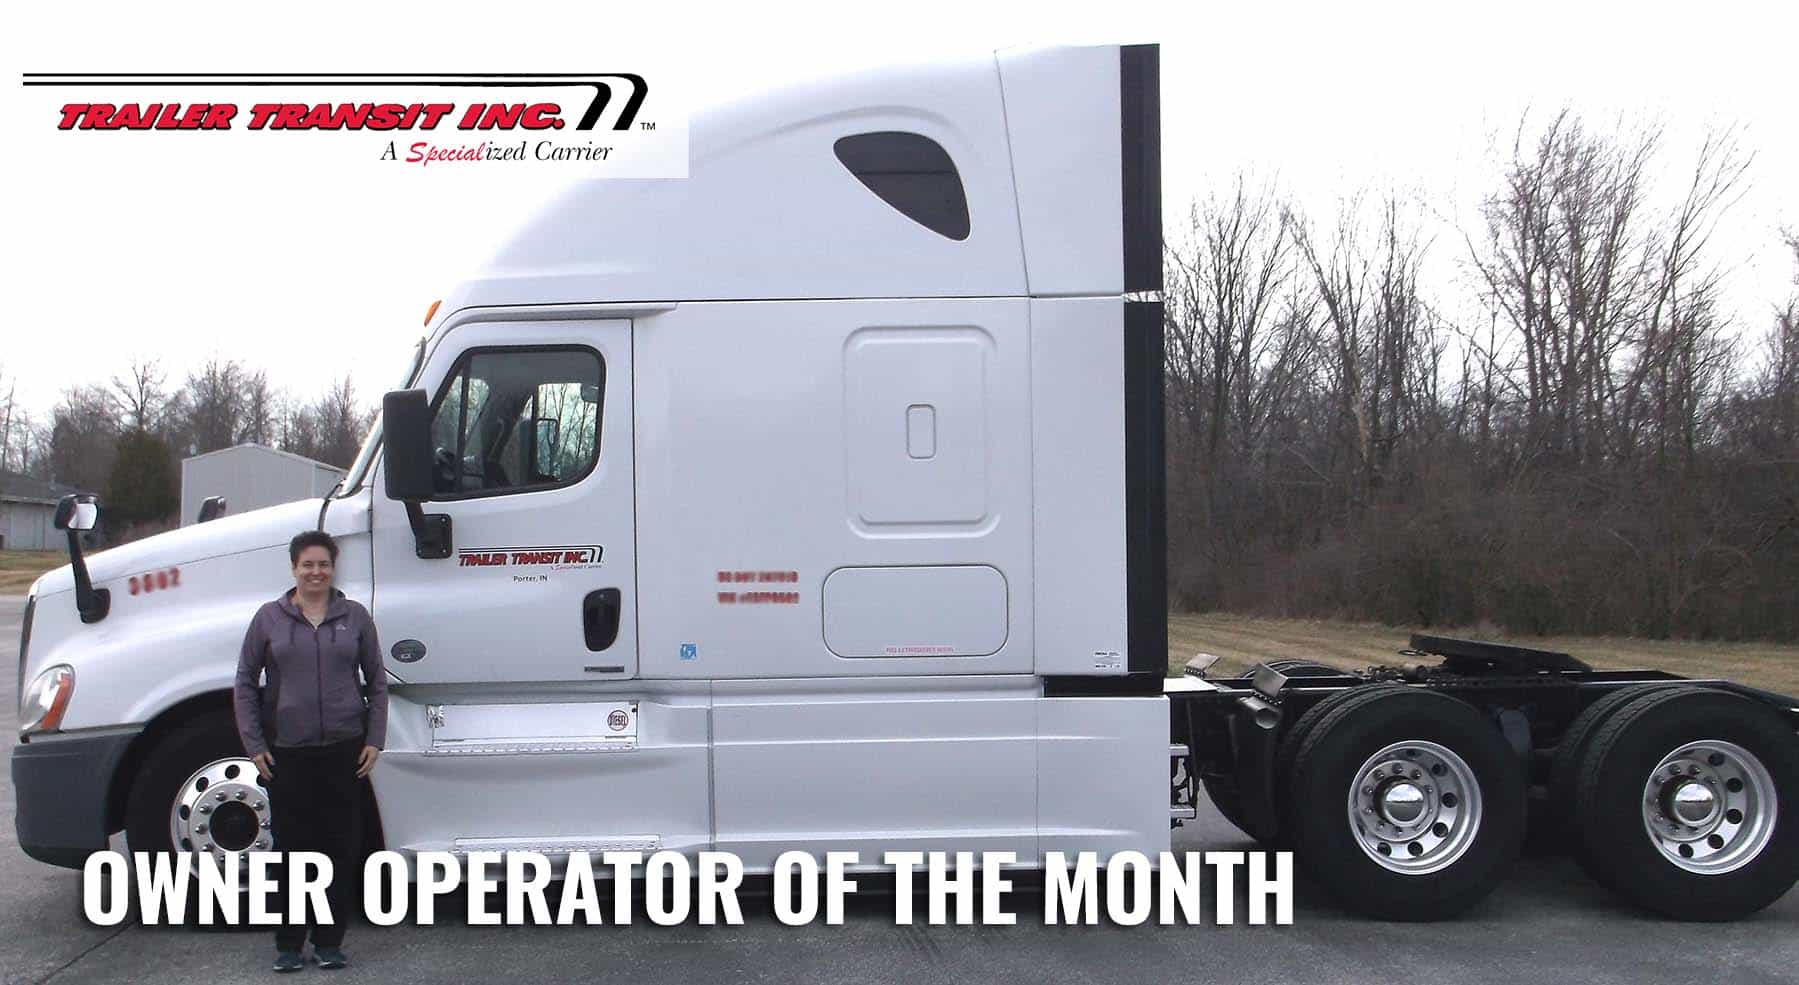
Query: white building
(27,506)
(251,477)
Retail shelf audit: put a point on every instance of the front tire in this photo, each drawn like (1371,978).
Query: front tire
(1678,804)
(197,791)
(1406,804)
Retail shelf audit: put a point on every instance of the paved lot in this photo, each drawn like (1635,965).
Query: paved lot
(1546,924)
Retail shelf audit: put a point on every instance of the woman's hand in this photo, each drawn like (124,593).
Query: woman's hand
(367,761)
(265,765)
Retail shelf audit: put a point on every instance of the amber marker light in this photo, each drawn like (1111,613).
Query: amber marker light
(431,312)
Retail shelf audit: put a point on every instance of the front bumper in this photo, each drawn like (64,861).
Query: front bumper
(60,785)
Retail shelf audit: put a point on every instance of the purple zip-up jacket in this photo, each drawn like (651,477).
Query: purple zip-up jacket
(313,697)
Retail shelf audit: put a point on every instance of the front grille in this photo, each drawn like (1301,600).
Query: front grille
(24,644)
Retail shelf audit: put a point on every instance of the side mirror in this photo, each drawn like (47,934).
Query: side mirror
(406,433)
(76,513)
(406,466)
(211,508)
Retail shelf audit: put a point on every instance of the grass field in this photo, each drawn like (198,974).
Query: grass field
(1244,640)
(18,569)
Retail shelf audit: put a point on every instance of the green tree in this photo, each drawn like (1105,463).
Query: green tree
(141,488)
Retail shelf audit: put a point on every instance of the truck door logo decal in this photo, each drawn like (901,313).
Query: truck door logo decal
(549,558)
(408,651)
(618,720)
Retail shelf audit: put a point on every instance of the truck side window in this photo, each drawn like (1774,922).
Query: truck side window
(511,420)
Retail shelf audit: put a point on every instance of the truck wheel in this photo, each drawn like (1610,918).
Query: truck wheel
(1405,804)
(1678,802)
(1552,820)
(198,792)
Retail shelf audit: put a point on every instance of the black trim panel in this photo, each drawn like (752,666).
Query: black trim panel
(1145,495)
(1140,130)
(1096,686)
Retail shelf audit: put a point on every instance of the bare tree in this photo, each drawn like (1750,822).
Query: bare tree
(139,395)
(1565,266)
(1238,347)
(214,406)
(83,433)
(1380,361)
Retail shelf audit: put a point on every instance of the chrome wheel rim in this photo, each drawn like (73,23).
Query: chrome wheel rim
(1710,806)
(222,809)
(1415,807)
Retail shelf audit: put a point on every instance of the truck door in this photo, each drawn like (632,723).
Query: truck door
(531,432)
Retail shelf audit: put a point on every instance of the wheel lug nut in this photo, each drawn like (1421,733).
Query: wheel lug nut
(1693,769)
(200,829)
(219,796)
(1674,770)
(256,806)
(240,795)
(204,809)
(1367,791)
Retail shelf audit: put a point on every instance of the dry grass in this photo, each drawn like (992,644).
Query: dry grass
(1243,640)
(18,569)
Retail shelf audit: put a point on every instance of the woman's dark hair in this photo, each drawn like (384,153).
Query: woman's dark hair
(311,538)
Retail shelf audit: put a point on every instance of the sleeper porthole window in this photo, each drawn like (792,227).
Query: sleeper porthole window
(912,173)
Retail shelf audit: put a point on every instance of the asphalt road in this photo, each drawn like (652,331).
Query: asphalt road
(1547,923)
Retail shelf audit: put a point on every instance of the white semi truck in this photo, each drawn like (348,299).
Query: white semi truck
(815,502)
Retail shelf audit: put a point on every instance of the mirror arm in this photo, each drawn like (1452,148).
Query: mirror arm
(91,603)
(430,532)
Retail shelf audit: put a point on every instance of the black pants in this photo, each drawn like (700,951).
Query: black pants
(316,799)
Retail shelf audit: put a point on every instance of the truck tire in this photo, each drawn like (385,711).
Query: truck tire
(1552,821)
(197,791)
(1405,804)
(1678,800)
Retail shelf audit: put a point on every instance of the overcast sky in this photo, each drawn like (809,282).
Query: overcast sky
(307,273)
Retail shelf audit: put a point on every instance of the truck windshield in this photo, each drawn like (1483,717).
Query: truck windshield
(359,468)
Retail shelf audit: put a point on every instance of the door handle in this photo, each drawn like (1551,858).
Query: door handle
(599,617)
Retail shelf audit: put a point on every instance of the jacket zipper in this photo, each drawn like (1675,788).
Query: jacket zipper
(318,666)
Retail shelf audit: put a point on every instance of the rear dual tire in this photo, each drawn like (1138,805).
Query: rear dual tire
(1404,804)
(1677,802)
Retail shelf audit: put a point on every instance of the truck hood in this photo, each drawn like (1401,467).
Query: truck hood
(230,534)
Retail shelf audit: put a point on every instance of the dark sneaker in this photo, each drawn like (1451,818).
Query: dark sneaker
(288,961)
(330,958)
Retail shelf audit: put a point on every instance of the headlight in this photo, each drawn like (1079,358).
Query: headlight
(41,708)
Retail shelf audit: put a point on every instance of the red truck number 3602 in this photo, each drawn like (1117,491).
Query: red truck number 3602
(154,581)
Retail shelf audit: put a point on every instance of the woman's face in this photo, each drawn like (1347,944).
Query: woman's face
(312,572)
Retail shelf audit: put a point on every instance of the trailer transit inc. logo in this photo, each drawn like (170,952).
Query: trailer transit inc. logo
(603,123)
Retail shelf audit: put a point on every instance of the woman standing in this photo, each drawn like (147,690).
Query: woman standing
(312,734)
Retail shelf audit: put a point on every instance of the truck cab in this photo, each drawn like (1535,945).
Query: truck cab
(808,502)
